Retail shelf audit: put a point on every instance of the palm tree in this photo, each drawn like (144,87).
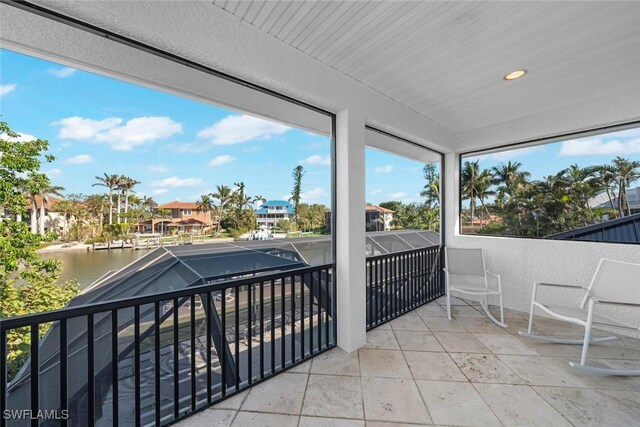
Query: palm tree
(148,203)
(96,204)
(205,204)
(223,195)
(626,173)
(45,194)
(483,191)
(606,180)
(258,198)
(471,177)
(296,192)
(162,214)
(126,185)
(431,190)
(509,178)
(66,208)
(111,182)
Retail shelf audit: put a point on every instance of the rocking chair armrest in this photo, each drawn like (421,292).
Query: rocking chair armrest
(492,274)
(558,285)
(628,304)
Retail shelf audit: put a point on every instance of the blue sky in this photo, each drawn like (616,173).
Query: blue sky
(177,148)
(549,159)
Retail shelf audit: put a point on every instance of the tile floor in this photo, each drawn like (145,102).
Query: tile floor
(422,369)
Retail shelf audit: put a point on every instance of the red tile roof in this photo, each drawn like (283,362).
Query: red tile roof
(378,209)
(179,205)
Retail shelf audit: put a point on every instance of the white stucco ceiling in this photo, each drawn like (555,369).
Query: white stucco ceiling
(446,60)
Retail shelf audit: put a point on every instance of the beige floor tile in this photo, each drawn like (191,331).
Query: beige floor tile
(433,366)
(465,311)
(535,370)
(259,419)
(386,424)
(441,324)
(594,380)
(514,326)
(622,348)
(518,405)
(418,341)
(550,349)
(336,362)
(485,368)
(455,342)
(626,400)
(282,394)
(584,407)
(210,418)
(456,404)
(333,396)
(395,400)
(505,344)
(481,325)
(383,363)
(431,310)
(508,313)
(302,368)
(408,322)
(233,402)
(384,326)
(383,339)
(329,422)
(454,301)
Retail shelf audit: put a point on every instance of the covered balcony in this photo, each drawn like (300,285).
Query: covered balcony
(349,328)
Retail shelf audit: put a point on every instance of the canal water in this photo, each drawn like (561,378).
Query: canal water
(86,267)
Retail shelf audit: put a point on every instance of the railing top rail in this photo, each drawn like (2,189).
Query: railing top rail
(69,312)
(407,251)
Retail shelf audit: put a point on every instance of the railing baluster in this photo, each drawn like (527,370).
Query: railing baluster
(156,361)
(335,307)
(90,372)
(223,333)
(283,350)
(63,368)
(136,364)
(35,365)
(209,314)
(293,319)
(328,312)
(249,334)
(176,360)
(237,336)
(3,374)
(261,330)
(273,326)
(302,317)
(311,314)
(114,367)
(193,352)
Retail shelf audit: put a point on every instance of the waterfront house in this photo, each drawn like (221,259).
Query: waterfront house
(272,211)
(184,217)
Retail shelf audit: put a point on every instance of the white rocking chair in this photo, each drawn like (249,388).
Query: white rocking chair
(614,283)
(470,263)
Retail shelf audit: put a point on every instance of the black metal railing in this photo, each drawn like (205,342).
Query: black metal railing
(402,281)
(154,359)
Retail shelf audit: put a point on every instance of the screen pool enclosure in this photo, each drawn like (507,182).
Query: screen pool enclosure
(186,326)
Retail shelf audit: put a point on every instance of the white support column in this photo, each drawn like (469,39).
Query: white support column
(350,230)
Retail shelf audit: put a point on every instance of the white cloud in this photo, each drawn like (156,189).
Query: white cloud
(221,160)
(158,168)
(84,129)
(5,89)
(121,137)
(239,129)
(599,147)
(376,192)
(507,155)
(384,169)
(398,196)
(174,182)
(79,159)
(313,195)
(62,72)
(52,173)
(22,137)
(317,159)
(158,191)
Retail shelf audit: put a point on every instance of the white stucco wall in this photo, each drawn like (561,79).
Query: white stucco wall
(521,262)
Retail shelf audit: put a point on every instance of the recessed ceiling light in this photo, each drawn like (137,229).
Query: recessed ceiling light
(515,74)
